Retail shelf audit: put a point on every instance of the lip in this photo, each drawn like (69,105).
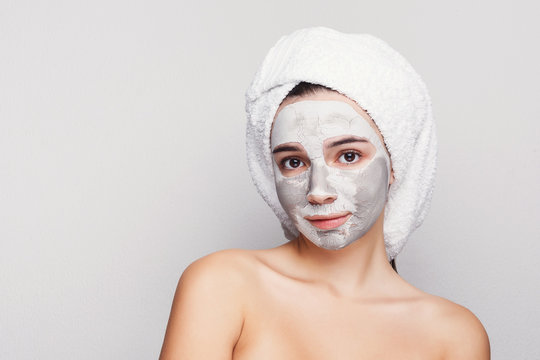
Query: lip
(328,222)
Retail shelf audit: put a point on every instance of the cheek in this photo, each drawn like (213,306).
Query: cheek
(344,182)
(362,184)
(373,181)
(292,191)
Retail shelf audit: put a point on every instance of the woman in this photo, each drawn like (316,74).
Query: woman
(341,145)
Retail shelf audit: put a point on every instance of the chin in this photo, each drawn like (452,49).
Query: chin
(331,242)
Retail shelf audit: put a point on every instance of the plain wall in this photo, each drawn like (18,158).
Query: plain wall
(122,160)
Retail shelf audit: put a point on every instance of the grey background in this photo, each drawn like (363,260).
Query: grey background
(122,160)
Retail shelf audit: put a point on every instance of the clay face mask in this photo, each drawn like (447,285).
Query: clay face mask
(331,171)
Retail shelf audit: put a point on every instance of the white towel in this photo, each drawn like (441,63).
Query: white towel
(381,81)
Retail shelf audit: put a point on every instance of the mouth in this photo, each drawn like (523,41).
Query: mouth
(328,222)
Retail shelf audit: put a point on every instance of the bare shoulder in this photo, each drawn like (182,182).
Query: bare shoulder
(227,267)
(461,332)
(222,274)
(207,314)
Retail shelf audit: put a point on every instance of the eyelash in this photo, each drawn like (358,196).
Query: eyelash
(358,154)
(284,162)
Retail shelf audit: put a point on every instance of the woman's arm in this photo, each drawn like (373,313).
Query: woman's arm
(207,312)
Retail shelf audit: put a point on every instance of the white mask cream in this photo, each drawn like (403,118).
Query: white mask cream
(331,171)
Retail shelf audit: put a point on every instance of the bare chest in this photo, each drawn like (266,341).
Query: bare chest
(285,321)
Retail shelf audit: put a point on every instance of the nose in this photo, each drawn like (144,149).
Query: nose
(321,199)
(319,191)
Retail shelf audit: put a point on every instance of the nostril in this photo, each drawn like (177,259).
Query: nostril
(321,199)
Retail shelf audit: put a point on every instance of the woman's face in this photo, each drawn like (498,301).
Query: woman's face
(332,171)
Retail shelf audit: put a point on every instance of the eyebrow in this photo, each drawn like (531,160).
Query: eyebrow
(280,148)
(347,141)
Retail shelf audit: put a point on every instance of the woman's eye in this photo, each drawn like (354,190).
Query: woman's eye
(292,163)
(349,157)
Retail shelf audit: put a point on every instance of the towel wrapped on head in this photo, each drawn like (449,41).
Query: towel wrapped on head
(382,82)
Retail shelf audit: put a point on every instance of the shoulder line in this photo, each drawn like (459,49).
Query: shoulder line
(463,334)
(232,266)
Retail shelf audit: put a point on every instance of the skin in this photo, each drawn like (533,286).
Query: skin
(300,301)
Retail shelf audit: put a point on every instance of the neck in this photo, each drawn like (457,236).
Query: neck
(359,268)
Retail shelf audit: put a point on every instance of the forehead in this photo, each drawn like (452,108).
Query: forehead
(320,119)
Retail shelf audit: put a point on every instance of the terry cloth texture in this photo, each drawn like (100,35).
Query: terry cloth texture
(367,70)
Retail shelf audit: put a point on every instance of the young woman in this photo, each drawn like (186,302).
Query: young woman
(341,146)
